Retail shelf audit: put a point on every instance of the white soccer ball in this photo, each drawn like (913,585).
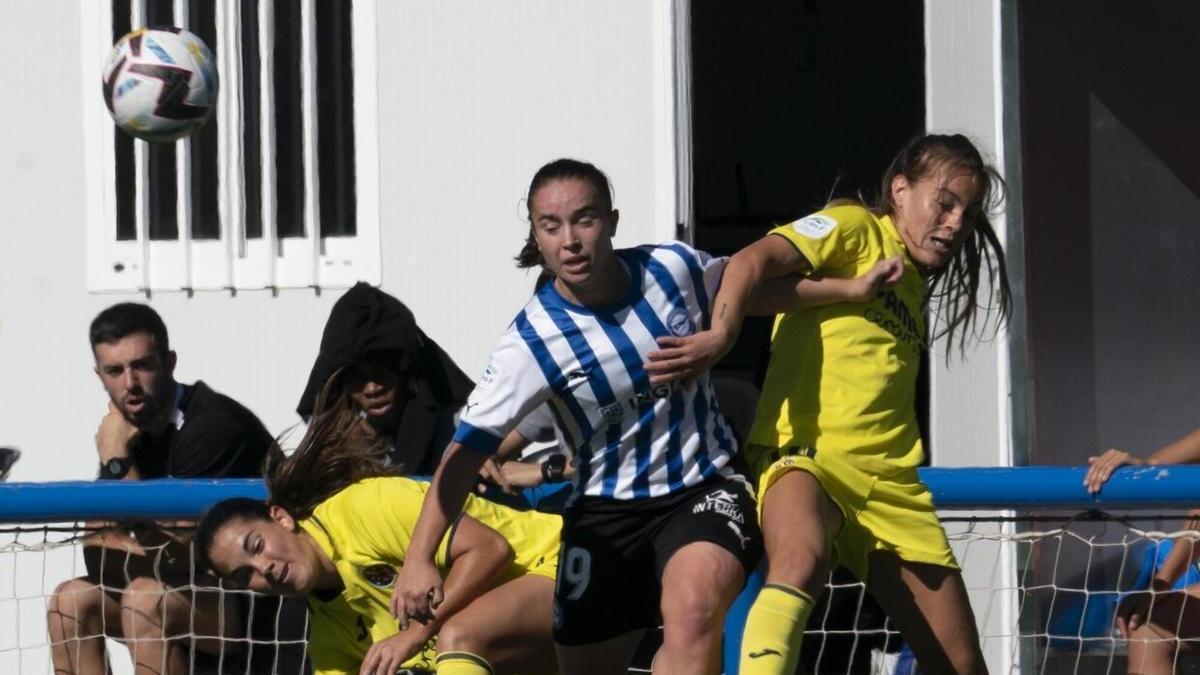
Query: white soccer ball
(160,84)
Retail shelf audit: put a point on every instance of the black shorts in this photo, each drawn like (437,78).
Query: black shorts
(614,553)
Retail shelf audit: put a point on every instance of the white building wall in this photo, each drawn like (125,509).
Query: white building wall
(473,98)
(970,414)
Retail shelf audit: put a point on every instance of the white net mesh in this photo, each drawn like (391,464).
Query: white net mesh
(55,593)
(1044,590)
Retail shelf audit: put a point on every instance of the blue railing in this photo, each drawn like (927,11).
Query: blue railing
(1020,488)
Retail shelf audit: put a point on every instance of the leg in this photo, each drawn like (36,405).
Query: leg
(1174,620)
(509,627)
(799,522)
(160,621)
(79,615)
(699,583)
(599,658)
(929,604)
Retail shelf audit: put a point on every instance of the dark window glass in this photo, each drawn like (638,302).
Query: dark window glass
(251,119)
(206,218)
(335,118)
(289,128)
(123,148)
(163,213)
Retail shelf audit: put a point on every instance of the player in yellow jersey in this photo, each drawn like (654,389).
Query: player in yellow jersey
(835,443)
(336,531)
(500,562)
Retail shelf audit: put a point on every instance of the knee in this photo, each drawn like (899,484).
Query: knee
(458,635)
(693,612)
(801,564)
(77,599)
(142,607)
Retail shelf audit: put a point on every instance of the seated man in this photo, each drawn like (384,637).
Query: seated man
(155,428)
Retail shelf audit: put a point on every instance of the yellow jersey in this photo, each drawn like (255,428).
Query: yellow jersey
(366,529)
(842,378)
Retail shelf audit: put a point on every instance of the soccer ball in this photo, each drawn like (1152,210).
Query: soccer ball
(160,84)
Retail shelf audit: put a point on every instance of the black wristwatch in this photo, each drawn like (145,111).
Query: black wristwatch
(115,468)
(554,467)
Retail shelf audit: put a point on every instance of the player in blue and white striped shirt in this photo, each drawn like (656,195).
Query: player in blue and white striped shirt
(659,512)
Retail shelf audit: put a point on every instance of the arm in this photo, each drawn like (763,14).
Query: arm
(478,555)
(1183,451)
(688,357)
(494,470)
(792,292)
(114,440)
(1136,607)
(419,589)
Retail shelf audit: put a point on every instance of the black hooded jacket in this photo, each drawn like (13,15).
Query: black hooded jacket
(368,321)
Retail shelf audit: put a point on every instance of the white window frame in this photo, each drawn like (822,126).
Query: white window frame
(232,262)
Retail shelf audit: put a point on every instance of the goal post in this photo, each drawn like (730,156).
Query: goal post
(1045,562)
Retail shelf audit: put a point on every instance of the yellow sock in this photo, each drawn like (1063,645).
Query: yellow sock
(462,663)
(774,629)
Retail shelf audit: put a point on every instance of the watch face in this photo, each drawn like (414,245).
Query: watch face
(116,467)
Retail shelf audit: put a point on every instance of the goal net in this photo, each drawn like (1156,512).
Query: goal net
(1044,577)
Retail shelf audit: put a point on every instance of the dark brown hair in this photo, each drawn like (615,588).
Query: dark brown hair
(955,286)
(559,169)
(339,449)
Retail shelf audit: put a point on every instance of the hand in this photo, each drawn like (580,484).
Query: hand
(883,275)
(1134,610)
(1102,468)
(687,358)
(493,472)
(389,654)
(115,434)
(417,593)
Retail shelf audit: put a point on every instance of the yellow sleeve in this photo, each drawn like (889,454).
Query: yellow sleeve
(386,511)
(828,238)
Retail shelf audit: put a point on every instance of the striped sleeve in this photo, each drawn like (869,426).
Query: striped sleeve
(511,387)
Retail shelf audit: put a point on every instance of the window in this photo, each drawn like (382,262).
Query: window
(279,189)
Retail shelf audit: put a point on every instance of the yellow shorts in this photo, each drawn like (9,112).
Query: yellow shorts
(879,514)
(546,566)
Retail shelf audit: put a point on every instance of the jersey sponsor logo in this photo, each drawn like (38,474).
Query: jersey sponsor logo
(814,227)
(680,322)
(721,502)
(612,412)
(649,396)
(380,576)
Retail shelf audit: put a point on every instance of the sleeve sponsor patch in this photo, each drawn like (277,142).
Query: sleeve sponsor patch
(814,227)
(489,376)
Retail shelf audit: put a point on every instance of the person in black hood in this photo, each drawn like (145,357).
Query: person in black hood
(383,380)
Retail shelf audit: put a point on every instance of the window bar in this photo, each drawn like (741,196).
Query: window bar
(266,80)
(141,168)
(308,97)
(225,129)
(233,95)
(183,176)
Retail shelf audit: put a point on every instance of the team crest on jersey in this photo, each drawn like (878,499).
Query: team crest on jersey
(380,576)
(489,376)
(680,322)
(814,227)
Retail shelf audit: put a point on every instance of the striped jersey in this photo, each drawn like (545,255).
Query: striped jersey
(630,440)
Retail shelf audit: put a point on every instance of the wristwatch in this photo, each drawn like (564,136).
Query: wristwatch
(115,468)
(554,467)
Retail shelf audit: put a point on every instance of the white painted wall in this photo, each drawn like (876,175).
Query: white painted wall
(970,415)
(473,98)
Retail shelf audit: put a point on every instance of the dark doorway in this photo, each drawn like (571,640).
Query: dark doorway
(794,103)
